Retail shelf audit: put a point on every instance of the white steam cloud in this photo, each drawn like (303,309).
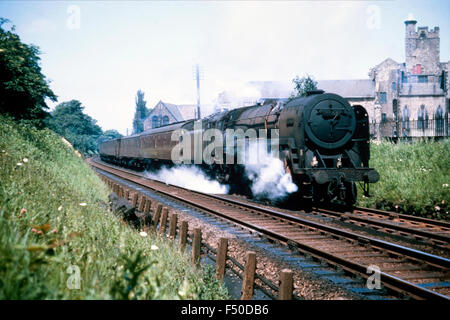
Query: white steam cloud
(268,176)
(266,172)
(188,177)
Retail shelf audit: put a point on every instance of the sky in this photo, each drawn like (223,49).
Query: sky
(102,52)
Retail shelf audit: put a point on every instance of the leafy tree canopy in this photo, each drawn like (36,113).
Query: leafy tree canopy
(108,135)
(302,86)
(141,112)
(80,129)
(23,88)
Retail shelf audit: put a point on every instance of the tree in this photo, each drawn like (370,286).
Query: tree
(23,88)
(140,114)
(108,135)
(80,129)
(302,86)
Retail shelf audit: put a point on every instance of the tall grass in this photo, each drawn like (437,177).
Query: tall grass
(54,223)
(414,178)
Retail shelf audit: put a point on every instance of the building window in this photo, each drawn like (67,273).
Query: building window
(412,79)
(423,79)
(417,69)
(404,78)
(382,97)
(155,122)
(165,120)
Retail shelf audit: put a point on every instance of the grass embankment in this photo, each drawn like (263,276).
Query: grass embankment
(414,178)
(54,222)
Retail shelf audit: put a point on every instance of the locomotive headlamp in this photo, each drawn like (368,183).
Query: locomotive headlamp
(314,162)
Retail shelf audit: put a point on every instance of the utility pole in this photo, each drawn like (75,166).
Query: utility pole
(198,77)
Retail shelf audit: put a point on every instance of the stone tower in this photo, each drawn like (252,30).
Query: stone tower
(421,49)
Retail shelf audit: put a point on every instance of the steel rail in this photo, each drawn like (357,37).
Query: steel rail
(388,225)
(439,223)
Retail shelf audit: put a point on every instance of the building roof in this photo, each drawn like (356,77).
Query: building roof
(359,88)
(188,111)
(179,112)
(355,88)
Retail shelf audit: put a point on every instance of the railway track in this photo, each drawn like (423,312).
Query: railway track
(427,230)
(402,270)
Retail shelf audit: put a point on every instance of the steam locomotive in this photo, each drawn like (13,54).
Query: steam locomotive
(323,143)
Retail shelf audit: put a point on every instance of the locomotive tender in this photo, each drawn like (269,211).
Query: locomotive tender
(323,143)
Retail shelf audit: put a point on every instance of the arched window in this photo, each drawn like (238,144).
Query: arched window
(155,121)
(165,120)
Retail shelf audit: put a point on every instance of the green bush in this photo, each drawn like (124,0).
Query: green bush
(414,178)
(54,222)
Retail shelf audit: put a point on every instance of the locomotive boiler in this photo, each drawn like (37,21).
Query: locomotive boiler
(323,143)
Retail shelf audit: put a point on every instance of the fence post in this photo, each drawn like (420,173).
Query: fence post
(221,258)
(249,276)
(127,194)
(135,199)
(156,216)
(142,203)
(196,246)
(183,235)
(173,226)
(162,225)
(121,194)
(148,205)
(286,285)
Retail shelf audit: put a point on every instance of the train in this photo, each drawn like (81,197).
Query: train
(323,142)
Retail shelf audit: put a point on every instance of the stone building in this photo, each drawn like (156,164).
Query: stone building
(165,113)
(415,90)
(422,80)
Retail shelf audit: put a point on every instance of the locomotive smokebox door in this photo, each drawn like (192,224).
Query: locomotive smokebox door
(330,121)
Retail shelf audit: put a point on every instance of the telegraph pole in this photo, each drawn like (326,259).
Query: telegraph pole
(198,77)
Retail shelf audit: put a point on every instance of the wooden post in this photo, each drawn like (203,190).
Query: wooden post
(156,216)
(249,276)
(221,258)
(142,203)
(148,205)
(121,193)
(286,285)
(162,225)
(173,226)
(196,246)
(116,188)
(127,194)
(135,199)
(183,235)
(147,221)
